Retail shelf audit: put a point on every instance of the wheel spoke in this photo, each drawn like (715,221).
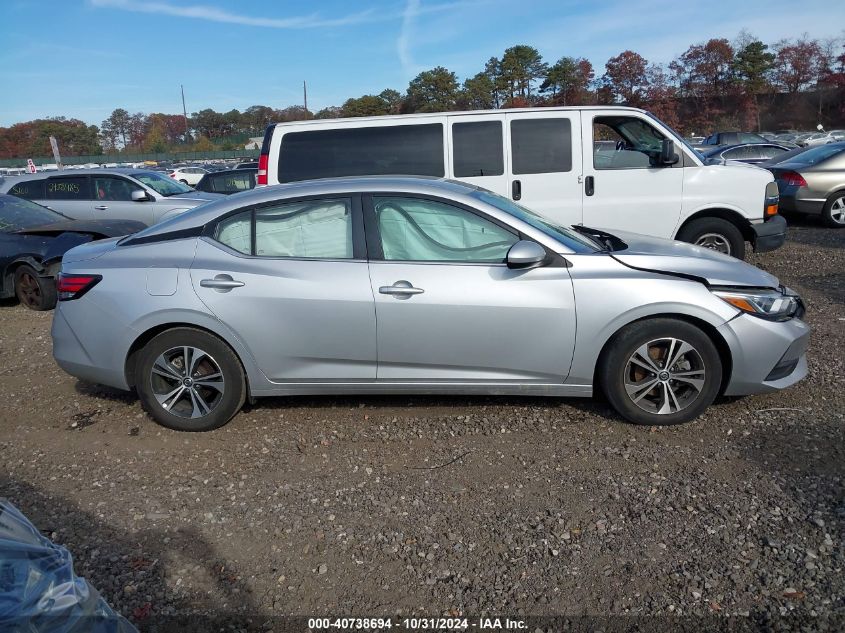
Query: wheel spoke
(672,359)
(165,369)
(169,399)
(213,381)
(196,356)
(201,407)
(642,358)
(637,390)
(669,399)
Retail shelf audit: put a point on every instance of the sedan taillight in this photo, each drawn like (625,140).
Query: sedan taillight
(74,286)
(793,178)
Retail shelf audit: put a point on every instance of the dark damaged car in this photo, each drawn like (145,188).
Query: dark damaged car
(32,242)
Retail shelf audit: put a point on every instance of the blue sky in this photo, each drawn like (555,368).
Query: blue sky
(83,58)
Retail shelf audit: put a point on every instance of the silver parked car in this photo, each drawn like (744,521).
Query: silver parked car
(107,194)
(415,285)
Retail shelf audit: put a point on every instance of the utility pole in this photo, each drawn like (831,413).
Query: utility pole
(305,95)
(184,112)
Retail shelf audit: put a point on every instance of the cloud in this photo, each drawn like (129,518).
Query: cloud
(403,42)
(213,14)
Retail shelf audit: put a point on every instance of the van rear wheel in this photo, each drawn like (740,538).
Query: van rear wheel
(716,234)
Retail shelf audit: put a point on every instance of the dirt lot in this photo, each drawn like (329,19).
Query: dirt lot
(398,505)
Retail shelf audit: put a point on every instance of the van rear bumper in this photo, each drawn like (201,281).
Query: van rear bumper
(769,235)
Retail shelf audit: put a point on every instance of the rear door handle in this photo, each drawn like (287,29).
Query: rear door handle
(221,283)
(400,288)
(516,190)
(102,207)
(589,185)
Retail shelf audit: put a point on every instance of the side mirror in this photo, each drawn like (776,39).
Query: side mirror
(667,152)
(526,254)
(139,195)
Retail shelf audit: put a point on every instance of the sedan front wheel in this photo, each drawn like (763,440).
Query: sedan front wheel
(661,372)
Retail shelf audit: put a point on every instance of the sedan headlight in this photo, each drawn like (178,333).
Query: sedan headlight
(766,303)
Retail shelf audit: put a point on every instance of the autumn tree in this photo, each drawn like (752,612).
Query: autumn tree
(796,64)
(115,129)
(753,65)
(521,67)
(568,81)
(626,77)
(434,90)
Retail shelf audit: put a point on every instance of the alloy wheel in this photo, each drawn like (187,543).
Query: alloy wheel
(837,210)
(29,292)
(187,382)
(664,376)
(715,242)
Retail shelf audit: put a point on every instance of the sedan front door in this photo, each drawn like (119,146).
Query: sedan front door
(448,308)
(290,280)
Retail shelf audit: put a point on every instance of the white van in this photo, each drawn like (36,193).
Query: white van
(604,167)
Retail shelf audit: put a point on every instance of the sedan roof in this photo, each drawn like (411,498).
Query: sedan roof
(205,213)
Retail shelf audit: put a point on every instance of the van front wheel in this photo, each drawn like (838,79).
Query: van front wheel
(716,234)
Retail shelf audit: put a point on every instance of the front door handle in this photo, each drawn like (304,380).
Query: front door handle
(221,283)
(401,288)
(589,185)
(102,207)
(516,190)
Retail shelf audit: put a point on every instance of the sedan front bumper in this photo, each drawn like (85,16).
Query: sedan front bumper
(766,355)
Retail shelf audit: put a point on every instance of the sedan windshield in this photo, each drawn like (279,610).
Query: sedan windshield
(17,214)
(566,236)
(164,185)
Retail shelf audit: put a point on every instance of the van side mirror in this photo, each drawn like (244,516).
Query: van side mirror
(667,152)
(526,254)
(139,195)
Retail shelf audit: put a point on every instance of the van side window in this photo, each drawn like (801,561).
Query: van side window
(477,149)
(414,150)
(636,143)
(541,146)
(68,188)
(29,189)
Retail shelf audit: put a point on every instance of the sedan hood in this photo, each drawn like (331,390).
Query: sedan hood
(669,256)
(104,228)
(199,196)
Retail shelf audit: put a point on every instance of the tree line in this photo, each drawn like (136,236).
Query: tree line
(711,85)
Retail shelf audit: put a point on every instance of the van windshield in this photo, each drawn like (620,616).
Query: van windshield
(566,236)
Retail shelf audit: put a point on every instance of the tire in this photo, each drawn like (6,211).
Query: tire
(715,233)
(34,292)
(833,213)
(184,182)
(687,396)
(222,397)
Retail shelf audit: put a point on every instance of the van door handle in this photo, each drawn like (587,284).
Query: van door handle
(516,190)
(589,185)
(401,288)
(102,207)
(221,283)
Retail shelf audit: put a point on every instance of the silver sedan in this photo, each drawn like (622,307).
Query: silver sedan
(415,285)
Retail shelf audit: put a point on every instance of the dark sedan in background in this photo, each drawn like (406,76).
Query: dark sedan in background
(32,242)
(813,182)
(751,153)
(228,181)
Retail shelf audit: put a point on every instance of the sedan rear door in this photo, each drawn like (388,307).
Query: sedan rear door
(290,280)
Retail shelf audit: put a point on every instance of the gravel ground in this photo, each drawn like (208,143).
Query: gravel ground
(432,506)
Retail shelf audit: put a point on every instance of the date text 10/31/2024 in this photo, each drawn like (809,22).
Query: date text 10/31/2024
(417,624)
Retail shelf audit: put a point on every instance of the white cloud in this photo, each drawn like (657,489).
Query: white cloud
(213,14)
(403,42)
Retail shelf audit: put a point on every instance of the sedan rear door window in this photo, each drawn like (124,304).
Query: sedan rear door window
(30,189)
(68,188)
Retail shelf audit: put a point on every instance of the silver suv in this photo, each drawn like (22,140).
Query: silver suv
(97,194)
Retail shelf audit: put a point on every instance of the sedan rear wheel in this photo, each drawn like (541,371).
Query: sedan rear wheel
(34,292)
(189,380)
(833,213)
(660,372)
